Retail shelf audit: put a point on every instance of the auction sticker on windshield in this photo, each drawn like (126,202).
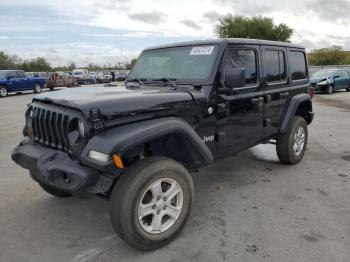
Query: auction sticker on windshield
(202,50)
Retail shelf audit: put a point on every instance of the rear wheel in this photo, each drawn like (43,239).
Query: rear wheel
(55,192)
(151,201)
(348,89)
(37,88)
(292,145)
(3,91)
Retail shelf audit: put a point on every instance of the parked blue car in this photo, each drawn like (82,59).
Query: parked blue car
(329,80)
(17,81)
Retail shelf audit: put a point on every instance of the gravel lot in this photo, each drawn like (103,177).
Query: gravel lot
(247,208)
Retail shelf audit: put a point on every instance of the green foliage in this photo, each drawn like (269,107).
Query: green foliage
(131,64)
(7,61)
(40,64)
(14,62)
(257,27)
(329,56)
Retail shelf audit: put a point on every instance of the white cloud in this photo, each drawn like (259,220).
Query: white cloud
(141,23)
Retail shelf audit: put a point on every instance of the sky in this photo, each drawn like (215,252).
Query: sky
(112,31)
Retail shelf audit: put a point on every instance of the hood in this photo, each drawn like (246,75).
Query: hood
(118,101)
(315,80)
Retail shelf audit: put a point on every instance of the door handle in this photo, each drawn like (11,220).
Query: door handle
(268,99)
(258,101)
(284,94)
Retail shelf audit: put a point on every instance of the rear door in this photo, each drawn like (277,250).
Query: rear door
(240,114)
(285,75)
(275,82)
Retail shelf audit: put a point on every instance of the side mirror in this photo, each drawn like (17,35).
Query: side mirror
(234,77)
(10,77)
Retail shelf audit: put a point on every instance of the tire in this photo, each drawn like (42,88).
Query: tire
(348,89)
(286,152)
(52,88)
(329,90)
(55,192)
(3,91)
(131,190)
(37,88)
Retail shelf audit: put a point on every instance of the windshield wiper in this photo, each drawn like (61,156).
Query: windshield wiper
(138,80)
(166,80)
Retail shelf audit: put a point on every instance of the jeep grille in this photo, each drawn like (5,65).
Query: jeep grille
(50,126)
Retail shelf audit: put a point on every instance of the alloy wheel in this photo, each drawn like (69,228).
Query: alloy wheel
(160,206)
(299,141)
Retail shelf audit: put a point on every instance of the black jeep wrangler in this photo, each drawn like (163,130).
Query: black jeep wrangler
(183,106)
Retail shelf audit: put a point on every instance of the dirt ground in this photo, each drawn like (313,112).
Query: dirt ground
(247,208)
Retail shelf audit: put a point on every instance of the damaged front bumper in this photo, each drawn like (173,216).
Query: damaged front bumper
(55,168)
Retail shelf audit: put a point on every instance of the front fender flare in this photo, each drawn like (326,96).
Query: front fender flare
(123,138)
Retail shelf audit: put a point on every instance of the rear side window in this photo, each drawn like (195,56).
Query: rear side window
(20,74)
(343,73)
(246,59)
(274,66)
(297,65)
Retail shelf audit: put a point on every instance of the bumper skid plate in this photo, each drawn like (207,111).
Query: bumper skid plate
(54,168)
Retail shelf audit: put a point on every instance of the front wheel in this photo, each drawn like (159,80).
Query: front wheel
(3,91)
(292,145)
(348,89)
(329,90)
(37,88)
(151,201)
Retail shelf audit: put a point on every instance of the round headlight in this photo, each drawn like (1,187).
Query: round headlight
(82,129)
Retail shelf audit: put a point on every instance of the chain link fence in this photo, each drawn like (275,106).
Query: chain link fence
(313,69)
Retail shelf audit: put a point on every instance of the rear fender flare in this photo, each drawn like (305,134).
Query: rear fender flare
(291,111)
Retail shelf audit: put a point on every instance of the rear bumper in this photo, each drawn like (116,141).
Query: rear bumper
(55,168)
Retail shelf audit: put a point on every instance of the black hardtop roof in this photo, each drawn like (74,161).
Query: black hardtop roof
(221,41)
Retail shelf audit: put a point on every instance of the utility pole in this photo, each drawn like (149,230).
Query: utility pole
(121,46)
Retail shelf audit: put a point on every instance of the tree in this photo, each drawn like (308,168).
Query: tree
(257,27)
(131,64)
(328,56)
(8,62)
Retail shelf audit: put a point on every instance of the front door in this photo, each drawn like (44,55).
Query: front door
(13,82)
(341,80)
(240,113)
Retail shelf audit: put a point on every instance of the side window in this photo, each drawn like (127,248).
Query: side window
(246,59)
(297,65)
(20,74)
(343,73)
(11,74)
(274,66)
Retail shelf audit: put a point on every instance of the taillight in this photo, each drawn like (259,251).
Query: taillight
(311,91)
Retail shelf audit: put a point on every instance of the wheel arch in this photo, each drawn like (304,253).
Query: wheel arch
(299,105)
(169,137)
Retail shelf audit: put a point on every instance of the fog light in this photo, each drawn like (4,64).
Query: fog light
(101,157)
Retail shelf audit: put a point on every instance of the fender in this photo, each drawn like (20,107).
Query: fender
(292,109)
(123,138)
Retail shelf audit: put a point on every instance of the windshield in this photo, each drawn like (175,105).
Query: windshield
(78,73)
(323,73)
(191,63)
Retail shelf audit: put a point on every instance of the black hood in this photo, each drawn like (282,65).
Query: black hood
(118,101)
